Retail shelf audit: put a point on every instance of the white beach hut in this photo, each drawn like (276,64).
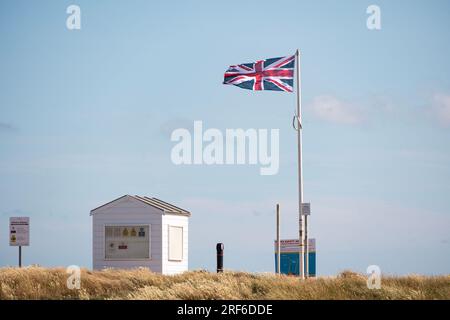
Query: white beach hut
(135,231)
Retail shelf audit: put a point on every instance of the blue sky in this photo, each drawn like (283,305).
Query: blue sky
(86,116)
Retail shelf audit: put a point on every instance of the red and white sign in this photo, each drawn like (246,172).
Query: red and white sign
(293,245)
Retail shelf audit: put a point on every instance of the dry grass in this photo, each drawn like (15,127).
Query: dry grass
(41,283)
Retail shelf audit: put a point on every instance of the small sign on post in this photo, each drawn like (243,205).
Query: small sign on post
(19,233)
(306,208)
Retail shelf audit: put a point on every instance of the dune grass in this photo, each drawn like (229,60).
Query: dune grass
(43,283)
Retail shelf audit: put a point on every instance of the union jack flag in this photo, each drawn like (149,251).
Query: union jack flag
(270,74)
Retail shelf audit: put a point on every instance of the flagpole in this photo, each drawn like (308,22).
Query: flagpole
(300,178)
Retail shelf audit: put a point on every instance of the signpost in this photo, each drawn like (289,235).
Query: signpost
(19,233)
(290,262)
(306,210)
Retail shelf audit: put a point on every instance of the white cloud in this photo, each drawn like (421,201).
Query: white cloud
(440,107)
(334,110)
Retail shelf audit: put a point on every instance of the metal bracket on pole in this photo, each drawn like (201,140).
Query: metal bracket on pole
(298,122)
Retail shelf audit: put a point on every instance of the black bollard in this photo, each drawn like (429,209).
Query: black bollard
(219,248)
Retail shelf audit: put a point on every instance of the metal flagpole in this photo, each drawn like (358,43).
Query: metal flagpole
(300,178)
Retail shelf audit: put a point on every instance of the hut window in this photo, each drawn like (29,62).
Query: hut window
(175,243)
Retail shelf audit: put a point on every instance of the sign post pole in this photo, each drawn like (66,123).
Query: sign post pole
(306,212)
(20,256)
(278,241)
(306,248)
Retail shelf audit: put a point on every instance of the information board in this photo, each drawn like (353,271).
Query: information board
(127,242)
(19,231)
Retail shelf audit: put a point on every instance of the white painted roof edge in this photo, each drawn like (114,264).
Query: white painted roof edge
(165,207)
